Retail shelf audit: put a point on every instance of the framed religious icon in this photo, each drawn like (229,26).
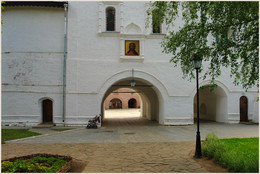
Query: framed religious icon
(132,48)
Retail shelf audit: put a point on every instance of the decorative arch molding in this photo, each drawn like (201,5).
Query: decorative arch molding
(45,98)
(161,90)
(208,82)
(132,28)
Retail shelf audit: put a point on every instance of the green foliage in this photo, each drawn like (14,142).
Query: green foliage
(236,154)
(212,145)
(236,26)
(11,134)
(2,8)
(33,165)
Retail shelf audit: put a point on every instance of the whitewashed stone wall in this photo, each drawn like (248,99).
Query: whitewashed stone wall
(32,53)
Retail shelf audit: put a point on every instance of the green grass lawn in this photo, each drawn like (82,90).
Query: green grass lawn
(236,154)
(60,130)
(11,134)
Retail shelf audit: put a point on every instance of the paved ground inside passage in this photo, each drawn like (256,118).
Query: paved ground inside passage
(129,145)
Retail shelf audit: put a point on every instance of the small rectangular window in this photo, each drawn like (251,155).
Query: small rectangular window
(110,19)
(221,38)
(157,26)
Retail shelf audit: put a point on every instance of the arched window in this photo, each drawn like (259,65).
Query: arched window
(110,18)
(115,104)
(132,103)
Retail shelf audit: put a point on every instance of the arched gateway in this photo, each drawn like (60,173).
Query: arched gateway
(213,103)
(150,89)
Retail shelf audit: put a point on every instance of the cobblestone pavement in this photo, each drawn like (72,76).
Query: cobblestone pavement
(129,146)
(117,157)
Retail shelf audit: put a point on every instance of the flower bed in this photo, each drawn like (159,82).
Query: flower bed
(37,163)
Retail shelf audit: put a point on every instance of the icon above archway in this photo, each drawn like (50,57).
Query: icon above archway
(132,47)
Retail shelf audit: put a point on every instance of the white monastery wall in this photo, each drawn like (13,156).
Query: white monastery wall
(32,55)
(32,52)
(32,29)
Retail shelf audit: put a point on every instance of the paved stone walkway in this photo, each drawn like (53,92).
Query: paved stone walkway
(143,157)
(129,146)
(118,157)
(140,130)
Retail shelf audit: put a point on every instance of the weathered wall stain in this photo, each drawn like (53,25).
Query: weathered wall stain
(22,71)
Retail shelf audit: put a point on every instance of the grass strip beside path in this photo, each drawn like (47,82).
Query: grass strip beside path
(11,134)
(60,130)
(236,154)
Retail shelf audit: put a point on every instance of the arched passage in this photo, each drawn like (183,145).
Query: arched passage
(151,91)
(213,104)
(149,98)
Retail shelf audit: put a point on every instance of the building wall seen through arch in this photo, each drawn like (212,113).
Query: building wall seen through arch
(124,94)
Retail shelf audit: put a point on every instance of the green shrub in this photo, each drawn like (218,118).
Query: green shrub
(212,146)
(236,154)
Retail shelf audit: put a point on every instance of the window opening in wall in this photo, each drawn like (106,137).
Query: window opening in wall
(110,18)
(221,38)
(157,27)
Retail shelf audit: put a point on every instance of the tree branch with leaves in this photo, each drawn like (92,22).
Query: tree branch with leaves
(2,8)
(234,27)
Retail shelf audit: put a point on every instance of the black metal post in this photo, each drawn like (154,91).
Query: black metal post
(198,143)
